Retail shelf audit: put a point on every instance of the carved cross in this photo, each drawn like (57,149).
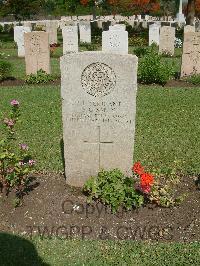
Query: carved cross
(99,142)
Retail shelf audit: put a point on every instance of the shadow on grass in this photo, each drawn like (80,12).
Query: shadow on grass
(15,250)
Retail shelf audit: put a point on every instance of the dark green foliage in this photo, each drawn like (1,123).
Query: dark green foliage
(5,69)
(152,70)
(137,41)
(40,77)
(141,51)
(89,46)
(114,189)
(194,79)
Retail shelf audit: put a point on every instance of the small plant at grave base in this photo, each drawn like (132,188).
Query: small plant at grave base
(89,46)
(140,51)
(137,41)
(178,43)
(53,47)
(160,189)
(40,77)
(113,188)
(16,163)
(166,53)
(5,70)
(152,70)
(194,79)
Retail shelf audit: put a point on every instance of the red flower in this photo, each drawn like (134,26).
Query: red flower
(138,169)
(146,179)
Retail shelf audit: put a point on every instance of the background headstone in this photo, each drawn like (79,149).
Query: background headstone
(154,34)
(189,28)
(191,54)
(98,111)
(70,39)
(19,38)
(115,41)
(85,32)
(167,39)
(118,27)
(51,28)
(37,52)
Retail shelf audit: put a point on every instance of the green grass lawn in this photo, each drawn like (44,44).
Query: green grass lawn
(9,51)
(167,125)
(75,252)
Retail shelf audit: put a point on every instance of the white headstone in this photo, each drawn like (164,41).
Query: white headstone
(115,41)
(51,28)
(19,38)
(70,39)
(98,112)
(167,39)
(154,34)
(85,32)
(191,54)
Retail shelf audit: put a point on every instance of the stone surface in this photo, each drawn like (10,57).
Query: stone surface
(189,28)
(118,27)
(85,32)
(167,39)
(51,28)
(19,38)
(37,52)
(115,41)
(98,112)
(154,34)
(191,54)
(70,39)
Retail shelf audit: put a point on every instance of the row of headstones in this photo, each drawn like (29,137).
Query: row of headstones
(35,45)
(114,41)
(165,38)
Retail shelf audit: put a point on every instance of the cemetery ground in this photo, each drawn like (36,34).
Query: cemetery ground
(167,130)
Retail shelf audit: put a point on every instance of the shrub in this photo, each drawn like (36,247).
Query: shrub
(194,79)
(152,70)
(89,46)
(114,189)
(40,77)
(5,70)
(141,51)
(137,41)
(16,162)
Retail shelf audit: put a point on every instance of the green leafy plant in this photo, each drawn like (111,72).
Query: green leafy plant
(137,41)
(194,79)
(89,46)
(40,77)
(5,70)
(113,188)
(16,163)
(166,54)
(140,51)
(152,70)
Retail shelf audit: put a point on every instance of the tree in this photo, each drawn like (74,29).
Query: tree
(21,9)
(190,12)
(119,6)
(169,7)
